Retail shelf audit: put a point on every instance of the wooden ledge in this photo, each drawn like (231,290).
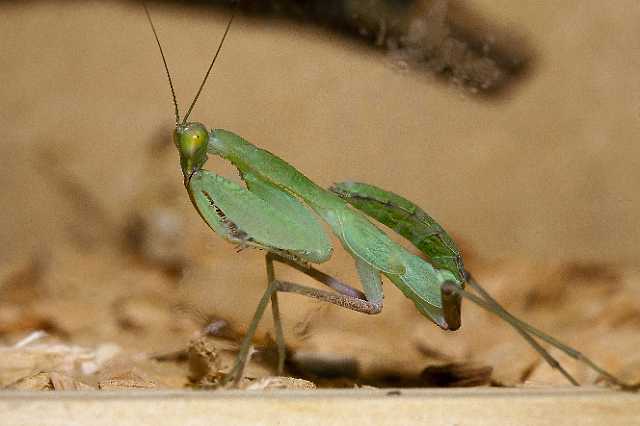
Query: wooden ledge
(477,406)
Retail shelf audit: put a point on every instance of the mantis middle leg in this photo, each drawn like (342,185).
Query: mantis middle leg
(369,302)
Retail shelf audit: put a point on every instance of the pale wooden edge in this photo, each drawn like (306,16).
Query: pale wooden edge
(476,406)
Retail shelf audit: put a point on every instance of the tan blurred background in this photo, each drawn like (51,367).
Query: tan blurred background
(546,171)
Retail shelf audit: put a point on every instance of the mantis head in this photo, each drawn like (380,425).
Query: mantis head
(191,140)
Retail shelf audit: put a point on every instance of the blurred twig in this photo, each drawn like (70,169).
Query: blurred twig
(439,37)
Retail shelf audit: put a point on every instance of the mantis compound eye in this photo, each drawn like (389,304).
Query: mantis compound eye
(191,140)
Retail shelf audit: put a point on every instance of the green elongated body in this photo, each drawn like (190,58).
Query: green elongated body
(273,212)
(274,199)
(245,218)
(269,214)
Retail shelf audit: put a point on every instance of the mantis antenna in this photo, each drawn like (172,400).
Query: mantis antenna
(206,76)
(166,67)
(164,61)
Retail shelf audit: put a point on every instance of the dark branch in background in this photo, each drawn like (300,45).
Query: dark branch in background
(443,38)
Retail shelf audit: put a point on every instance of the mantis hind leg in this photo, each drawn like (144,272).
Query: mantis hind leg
(527,331)
(345,296)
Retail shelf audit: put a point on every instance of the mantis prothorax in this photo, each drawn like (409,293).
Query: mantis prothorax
(278,209)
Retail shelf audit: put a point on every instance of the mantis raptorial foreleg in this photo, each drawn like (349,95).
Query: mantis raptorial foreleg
(347,297)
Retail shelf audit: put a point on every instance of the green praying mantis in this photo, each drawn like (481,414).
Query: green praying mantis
(278,211)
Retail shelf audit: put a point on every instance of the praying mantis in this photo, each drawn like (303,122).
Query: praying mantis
(279,210)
